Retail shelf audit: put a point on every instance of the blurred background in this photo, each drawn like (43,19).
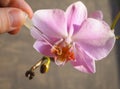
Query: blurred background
(17,55)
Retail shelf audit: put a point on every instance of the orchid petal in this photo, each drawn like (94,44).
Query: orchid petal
(76,13)
(43,48)
(51,23)
(95,38)
(97,15)
(83,62)
(41,37)
(36,34)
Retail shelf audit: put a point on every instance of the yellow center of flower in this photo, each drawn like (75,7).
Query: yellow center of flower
(63,53)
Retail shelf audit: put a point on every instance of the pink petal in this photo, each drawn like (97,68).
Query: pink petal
(76,13)
(83,62)
(51,23)
(43,48)
(36,34)
(95,38)
(41,37)
(97,15)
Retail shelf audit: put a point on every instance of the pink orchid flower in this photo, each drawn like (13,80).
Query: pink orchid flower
(73,36)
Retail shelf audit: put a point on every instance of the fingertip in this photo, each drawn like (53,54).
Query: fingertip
(27,9)
(23,5)
(11,19)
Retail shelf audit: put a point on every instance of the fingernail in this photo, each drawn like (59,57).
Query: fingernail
(17,18)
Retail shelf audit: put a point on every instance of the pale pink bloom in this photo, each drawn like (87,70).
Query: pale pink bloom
(73,36)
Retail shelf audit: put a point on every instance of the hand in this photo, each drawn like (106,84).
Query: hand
(12,15)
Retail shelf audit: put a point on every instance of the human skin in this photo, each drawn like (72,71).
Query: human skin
(12,15)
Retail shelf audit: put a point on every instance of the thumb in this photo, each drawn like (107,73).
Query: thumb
(11,19)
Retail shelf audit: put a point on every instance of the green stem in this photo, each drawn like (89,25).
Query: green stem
(117,37)
(115,21)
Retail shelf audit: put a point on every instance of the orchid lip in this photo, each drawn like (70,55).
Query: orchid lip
(63,52)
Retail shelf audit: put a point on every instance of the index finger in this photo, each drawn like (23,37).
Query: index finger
(21,4)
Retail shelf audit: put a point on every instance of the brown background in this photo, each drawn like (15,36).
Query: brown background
(17,55)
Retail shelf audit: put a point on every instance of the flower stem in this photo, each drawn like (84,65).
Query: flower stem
(115,21)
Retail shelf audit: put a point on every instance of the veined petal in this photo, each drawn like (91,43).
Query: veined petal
(95,38)
(42,37)
(83,62)
(76,13)
(43,48)
(97,15)
(36,34)
(51,23)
